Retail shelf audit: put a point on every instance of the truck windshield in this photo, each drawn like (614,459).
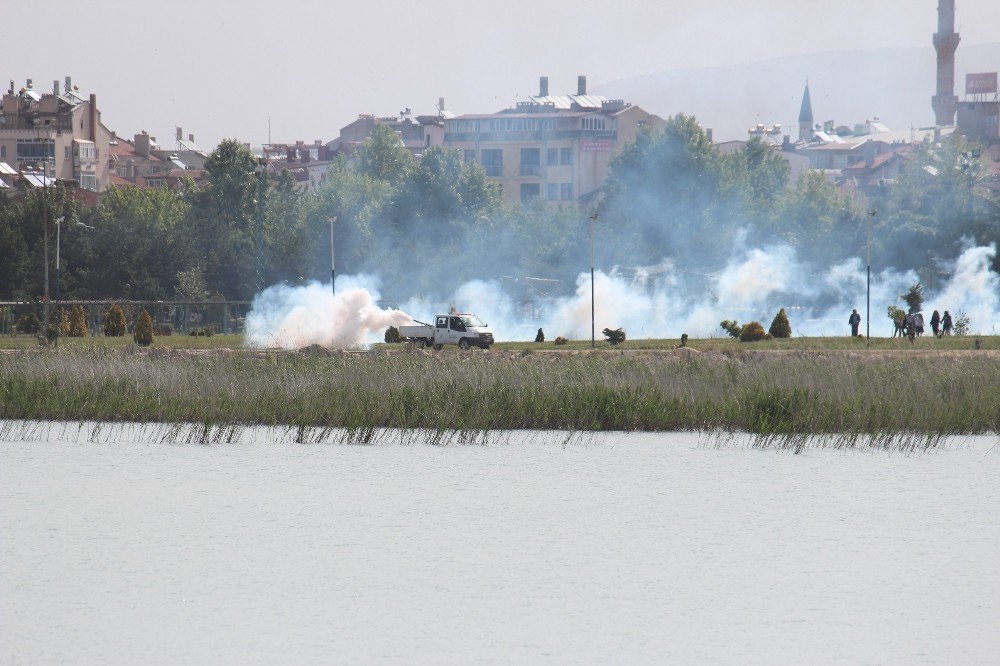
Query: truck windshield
(472,320)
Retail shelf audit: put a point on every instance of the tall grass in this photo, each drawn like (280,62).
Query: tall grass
(886,400)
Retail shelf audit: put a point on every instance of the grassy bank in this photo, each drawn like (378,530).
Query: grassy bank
(857,396)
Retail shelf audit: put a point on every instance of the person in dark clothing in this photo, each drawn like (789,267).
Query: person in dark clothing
(854,321)
(946,324)
(935,323)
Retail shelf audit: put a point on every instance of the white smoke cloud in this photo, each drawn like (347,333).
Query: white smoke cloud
(660,302)
(295,317)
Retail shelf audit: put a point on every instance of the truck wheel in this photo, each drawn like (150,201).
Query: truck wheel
(438,347)
(425,343)
(463,344)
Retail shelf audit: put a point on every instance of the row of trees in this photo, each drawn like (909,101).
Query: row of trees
(427,226)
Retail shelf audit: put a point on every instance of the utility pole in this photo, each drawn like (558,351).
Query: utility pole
(59,221)
(868,296)
(333,263)
(45,222)
(261,203)
(593,336)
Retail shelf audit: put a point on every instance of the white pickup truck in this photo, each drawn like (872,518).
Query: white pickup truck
(464,330)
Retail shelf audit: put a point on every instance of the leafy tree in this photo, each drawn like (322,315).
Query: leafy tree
(383,156)
(780,327)
(732,327)
(540,336)
(392,335)
(752,332)
(614,336)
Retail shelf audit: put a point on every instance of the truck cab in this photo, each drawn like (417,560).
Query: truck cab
(465,330)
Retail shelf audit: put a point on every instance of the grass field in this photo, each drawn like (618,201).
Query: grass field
(892,399)
(926,343)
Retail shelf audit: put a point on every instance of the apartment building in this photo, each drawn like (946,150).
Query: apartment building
(416,133)
(556,148)
(58,133)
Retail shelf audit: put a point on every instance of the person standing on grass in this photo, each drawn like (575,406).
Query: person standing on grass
(918,321)
(946,324)
(935,323)
(854,321)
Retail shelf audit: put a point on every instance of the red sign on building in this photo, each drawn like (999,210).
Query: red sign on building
(596,145)
(980,84)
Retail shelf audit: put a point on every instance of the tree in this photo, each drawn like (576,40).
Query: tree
(540,336)
(383,156)
(914,298)
(77,323)
(614,336)
(115,325)
(752,332)
(143,334)
(780,327)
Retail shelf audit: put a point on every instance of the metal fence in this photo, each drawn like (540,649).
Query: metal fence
(169,317)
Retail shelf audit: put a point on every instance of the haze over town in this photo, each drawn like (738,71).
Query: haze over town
(222,69)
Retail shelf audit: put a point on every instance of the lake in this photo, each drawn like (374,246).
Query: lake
(117,548)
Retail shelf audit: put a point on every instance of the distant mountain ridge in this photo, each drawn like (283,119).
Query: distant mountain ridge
(848,87)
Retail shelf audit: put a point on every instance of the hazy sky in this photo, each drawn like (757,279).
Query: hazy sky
(220,68)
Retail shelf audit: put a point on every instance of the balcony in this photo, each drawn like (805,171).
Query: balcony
(531,170)
(493,170)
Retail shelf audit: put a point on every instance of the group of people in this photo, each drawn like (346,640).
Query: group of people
(912,325)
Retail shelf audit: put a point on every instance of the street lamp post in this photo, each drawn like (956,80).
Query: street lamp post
(45,223)
(59,221)
(333,263)
(868,294)
(593,336)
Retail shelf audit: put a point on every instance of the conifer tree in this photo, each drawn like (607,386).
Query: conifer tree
(780,328)
(77,323)
(115,325)
(144,330)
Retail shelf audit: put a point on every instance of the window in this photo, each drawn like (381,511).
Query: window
(552,156)
(66,152)
(121,171)
(566,191)
(85,150)
(530,161)
(34,150)
(593,123)
(463,126)
(552,192)
(530,191)
(470,156)
(566,156)
(492,161)
(88,181)
(3,152)
(442,322)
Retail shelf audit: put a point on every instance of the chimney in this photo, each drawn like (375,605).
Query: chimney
(180,134)
(93,117)
(581,85)
(69,84)
(708,133)
(191,138)
(543,86)
(440,104)
(55,87)
(142,144)
(29,84)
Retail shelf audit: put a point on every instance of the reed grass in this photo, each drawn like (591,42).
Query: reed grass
(897,400)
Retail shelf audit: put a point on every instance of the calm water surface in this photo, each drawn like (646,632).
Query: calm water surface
(617,549)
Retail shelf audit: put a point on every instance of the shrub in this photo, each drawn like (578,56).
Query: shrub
(962,323)
(392,335)
(163,329)
(144,330)
(29,323)
(615,336)
(77,323)
(897,315)
(684,339)
(753,332)
(540,336)
(115,325)
(731,327)
(780,328)
(560,340)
